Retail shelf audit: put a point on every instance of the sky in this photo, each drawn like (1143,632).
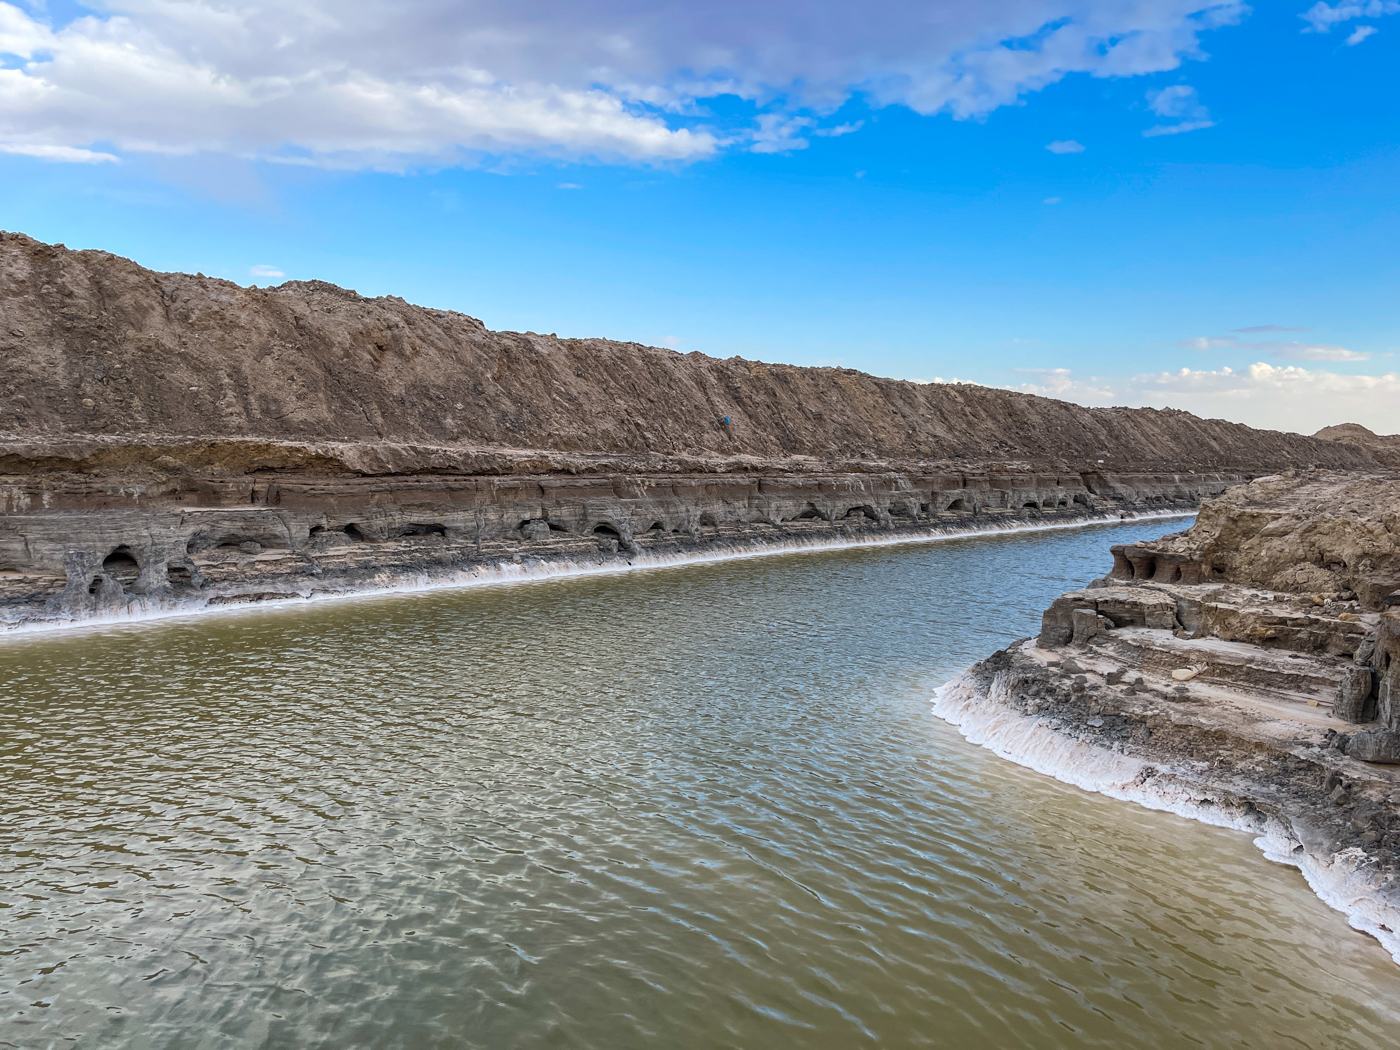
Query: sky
(1139,202)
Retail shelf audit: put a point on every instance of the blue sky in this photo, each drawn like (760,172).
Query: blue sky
(779,181)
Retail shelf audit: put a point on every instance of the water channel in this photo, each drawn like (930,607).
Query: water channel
(694,807)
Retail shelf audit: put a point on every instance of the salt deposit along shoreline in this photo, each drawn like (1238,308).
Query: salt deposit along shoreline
(1343,880)
(506,571)
(1244,673)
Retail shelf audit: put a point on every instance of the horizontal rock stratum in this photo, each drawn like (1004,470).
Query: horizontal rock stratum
(168,440)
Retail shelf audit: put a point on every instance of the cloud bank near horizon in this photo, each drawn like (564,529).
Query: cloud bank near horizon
(370,83)
(1271,397)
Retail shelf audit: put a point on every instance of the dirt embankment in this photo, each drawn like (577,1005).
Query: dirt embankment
(95,345)
(1384,447)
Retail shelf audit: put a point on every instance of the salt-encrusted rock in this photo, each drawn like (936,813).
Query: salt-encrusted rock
(1282,664)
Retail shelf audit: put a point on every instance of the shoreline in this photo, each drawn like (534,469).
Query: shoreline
(985,714)
(537,569)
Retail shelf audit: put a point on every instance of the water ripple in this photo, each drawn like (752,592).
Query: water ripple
(703,806)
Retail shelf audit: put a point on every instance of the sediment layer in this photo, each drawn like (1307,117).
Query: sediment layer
(73,547)
(168,437)
(1245,672)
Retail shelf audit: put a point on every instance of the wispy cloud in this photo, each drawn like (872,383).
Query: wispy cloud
(1314,352)
(62,154)
(263,270)
(1291,350)
(1269,328)
(1065,146)
(1321,17)
(839,130)
(780,133)
(1178,103)
(1360,33)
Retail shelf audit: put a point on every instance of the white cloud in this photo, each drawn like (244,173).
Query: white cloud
(1052,200)
(1314,352)
(64,154)
(780,133)
(839,129)
(569,186)
(381,83)
(1285,397)
(1291,350)
(1060,383)
(1209,342)
(1321,17)
(266,271)
(1065,146)
(1177,129)
(1179,103)
(1270,328)
(1360,33)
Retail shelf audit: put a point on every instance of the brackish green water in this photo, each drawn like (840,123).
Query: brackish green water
(696,807)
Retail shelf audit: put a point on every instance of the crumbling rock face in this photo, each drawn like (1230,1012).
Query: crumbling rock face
(1322,533)
(74,546)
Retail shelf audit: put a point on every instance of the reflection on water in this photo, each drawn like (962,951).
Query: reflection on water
(695,807)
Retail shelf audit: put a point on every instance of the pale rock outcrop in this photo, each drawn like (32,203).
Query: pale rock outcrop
(1235,694)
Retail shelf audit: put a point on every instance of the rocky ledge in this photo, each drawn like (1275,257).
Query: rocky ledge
(1245,672)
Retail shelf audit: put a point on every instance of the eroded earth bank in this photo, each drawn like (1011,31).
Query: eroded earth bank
(172,441)
(1245,672)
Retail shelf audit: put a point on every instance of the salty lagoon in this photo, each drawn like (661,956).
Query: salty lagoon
(698,806)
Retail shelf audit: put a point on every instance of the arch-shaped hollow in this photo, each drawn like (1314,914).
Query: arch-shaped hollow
(959,505)
(421,529)
(353,531)
(607,532)
(656,528)
(864,511)
(1081,499)
(808,513)
(179,575)
(1030,505)
(121,566)
(249,541)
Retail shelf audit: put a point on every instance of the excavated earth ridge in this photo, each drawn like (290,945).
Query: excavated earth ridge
(171,441)
(1245,672)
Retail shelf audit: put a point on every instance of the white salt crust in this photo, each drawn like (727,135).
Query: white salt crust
(1344,880)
